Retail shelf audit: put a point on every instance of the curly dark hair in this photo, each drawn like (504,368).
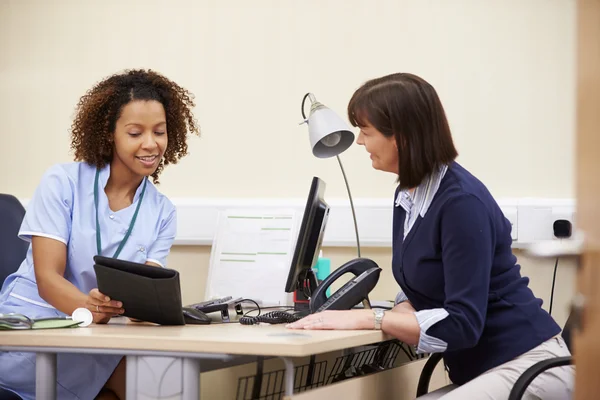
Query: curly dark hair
(99,109)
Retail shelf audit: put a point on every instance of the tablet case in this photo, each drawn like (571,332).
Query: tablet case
(148,293)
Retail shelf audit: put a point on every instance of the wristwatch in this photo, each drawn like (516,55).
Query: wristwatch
(379,313)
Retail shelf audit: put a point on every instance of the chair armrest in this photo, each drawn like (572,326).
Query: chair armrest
(432,361)
(532,372)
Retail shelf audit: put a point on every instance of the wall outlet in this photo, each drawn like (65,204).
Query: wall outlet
(563,212)
(536,218)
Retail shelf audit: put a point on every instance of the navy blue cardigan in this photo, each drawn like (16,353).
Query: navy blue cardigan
(458,257)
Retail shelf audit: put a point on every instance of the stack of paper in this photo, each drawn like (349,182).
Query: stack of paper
(251,255)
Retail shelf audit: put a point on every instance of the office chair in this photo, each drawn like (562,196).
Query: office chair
(536,369)
(524,380)
(425,378)
(12,248)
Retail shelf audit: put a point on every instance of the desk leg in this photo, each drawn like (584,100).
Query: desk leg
(45,376)
(191,379)
(289,376)
(162,378)
(131,377)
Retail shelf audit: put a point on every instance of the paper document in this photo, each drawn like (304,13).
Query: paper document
(251,255)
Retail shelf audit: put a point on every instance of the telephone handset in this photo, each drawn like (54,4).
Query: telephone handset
(366,273)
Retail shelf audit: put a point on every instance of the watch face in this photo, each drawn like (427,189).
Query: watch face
(378,318)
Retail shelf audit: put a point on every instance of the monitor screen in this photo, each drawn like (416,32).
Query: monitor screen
(310,236)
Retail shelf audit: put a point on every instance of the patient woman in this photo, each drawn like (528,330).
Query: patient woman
(128,127)
(461,290)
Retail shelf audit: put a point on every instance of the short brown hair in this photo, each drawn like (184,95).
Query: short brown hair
(99,109)
(407,107)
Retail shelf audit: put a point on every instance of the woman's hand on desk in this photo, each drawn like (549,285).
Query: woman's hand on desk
(102,307)
(340,320)
(399,323)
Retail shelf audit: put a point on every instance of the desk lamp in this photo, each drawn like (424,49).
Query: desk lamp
(329,136)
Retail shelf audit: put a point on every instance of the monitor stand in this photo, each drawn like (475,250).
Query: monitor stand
(305,286)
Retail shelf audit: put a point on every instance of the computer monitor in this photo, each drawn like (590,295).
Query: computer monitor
(309,240)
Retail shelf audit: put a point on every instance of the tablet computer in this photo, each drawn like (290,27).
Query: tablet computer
(148,293)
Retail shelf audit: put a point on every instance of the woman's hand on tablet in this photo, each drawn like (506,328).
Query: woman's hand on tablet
(102,307)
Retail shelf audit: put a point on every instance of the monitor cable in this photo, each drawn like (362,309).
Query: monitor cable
(563,228)
(553,282)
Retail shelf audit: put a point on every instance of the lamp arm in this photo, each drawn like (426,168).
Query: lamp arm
(351,205)
(312,98)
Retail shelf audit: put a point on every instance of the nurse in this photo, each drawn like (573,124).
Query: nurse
(127,128)
(462,293)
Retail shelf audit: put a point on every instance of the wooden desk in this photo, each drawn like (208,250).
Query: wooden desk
(182,349)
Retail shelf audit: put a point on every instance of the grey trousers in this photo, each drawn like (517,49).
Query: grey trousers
(496,384)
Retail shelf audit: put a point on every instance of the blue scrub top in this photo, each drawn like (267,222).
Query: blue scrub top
(62,208)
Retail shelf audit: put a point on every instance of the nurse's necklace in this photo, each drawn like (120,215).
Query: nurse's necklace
(98,238)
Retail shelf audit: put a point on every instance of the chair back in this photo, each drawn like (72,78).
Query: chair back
(12,249)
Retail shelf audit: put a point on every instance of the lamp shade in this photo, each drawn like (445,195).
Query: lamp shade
(329,134)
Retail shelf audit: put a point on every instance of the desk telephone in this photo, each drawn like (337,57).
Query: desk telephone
(354,291)
(366,274)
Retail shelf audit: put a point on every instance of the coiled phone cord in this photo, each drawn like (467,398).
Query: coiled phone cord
(273,317)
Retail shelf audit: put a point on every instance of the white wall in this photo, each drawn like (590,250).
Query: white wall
(504,71)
